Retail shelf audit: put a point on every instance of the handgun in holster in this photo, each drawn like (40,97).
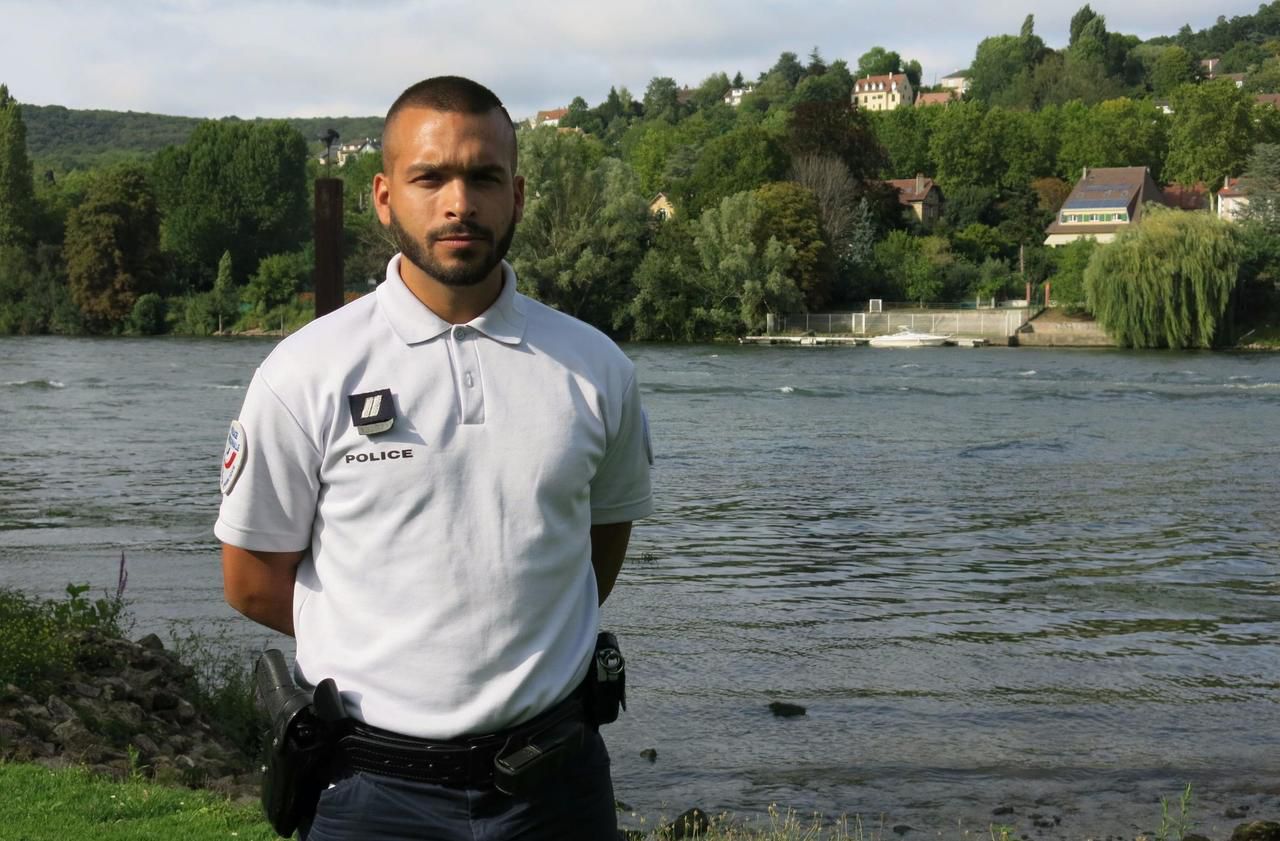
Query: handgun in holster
(304,725)
(606,684)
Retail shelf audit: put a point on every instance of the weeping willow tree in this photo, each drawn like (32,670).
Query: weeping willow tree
(1166,282)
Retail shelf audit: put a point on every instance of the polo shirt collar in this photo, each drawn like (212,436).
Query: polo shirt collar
(414,322)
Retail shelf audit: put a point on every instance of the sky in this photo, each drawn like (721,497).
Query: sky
(317,58)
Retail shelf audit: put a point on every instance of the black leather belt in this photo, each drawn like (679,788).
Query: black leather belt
(465,762)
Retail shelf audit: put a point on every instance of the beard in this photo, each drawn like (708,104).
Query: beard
(469,269)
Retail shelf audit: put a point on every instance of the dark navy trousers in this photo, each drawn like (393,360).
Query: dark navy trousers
(577,805)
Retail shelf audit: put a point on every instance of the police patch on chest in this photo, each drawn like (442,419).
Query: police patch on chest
(373,411)
(233,456)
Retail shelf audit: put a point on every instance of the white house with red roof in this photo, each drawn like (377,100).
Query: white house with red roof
(549,118)
(883,93)
(1232,200)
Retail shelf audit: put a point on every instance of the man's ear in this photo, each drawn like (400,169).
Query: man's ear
(517,184)
(382,198)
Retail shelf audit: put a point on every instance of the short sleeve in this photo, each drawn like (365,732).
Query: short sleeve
(271,505)
(620,491)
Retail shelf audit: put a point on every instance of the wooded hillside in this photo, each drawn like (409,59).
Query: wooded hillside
(63,139)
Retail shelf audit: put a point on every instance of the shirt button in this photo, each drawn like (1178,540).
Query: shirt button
(468,380)
(461,331)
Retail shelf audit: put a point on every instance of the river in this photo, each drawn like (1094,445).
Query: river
(1037,578)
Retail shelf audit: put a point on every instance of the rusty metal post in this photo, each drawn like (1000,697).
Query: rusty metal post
(328,234)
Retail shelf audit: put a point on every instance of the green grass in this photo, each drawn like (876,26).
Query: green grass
(43,805)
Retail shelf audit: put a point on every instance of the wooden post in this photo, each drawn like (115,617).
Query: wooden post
(328,238)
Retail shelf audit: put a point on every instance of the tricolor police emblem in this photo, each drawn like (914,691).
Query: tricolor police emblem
(233,457)
(373,411)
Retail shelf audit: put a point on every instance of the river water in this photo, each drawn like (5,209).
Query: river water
(1037,578)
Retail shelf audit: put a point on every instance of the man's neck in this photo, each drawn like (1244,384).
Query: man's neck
(454,304)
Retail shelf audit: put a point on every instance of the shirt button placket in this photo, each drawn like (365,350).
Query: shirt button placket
(470,390)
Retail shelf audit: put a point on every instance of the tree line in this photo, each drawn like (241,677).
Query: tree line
(779,204)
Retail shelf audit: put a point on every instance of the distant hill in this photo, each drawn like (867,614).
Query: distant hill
(66,138)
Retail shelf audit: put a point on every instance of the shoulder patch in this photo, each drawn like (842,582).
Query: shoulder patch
(233,456)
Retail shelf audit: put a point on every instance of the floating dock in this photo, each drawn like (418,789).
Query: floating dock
(842,341)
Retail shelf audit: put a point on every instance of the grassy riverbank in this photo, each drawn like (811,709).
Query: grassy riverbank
(57,656)
(40,804)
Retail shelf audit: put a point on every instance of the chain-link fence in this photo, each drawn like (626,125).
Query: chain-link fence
(985,322)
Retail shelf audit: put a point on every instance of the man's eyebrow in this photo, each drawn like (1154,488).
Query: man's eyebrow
(479,169)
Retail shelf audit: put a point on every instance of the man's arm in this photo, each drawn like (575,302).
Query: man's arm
(260,584)
(608,548)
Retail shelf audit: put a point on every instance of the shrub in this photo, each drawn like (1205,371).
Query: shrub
(148,317)
(38,642)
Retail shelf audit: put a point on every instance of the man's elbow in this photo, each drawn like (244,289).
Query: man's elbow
(260,585)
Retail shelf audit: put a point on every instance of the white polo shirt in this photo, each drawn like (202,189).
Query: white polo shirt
(447,584)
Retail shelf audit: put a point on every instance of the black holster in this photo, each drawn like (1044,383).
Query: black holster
(605,689)
(304,725)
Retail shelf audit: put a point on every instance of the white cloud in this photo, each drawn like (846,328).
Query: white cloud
(335,58)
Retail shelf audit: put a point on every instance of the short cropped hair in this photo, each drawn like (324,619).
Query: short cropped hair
(452,94)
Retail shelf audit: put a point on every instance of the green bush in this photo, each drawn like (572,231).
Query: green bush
(39,639)
(149,313)
(277,281)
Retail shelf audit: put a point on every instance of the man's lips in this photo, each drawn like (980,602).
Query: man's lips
(459,239)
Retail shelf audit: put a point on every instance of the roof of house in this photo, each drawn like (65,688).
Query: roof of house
(1232,189)
(940,98)
(912,190)
(959,74)
(1108,188)
(1267,99)
(553,114)
(1184,197)
(888,79)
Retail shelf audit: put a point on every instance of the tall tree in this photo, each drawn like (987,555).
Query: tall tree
(1212,133)
(904,134)
(661,99)
(235,187)
(585,228)
(112,247)
(742,280)
(996,65)
(17,190)
(965,154)
(787,68)
(836,195)
(1079,21)
(1118,132)
(878,61)
(1261,183)
(790,213)
(816,66)
(745,158)
(1166,282)
(1174,66)
(835,128)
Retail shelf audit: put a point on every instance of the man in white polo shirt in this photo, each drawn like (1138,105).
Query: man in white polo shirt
(432,489)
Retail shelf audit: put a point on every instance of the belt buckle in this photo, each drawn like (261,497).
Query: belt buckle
(479,764)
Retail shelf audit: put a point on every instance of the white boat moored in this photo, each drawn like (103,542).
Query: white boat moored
(906,337)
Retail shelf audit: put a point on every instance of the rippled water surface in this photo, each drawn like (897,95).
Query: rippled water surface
(1038,578)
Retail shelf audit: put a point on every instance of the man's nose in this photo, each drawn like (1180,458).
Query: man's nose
(458,199)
